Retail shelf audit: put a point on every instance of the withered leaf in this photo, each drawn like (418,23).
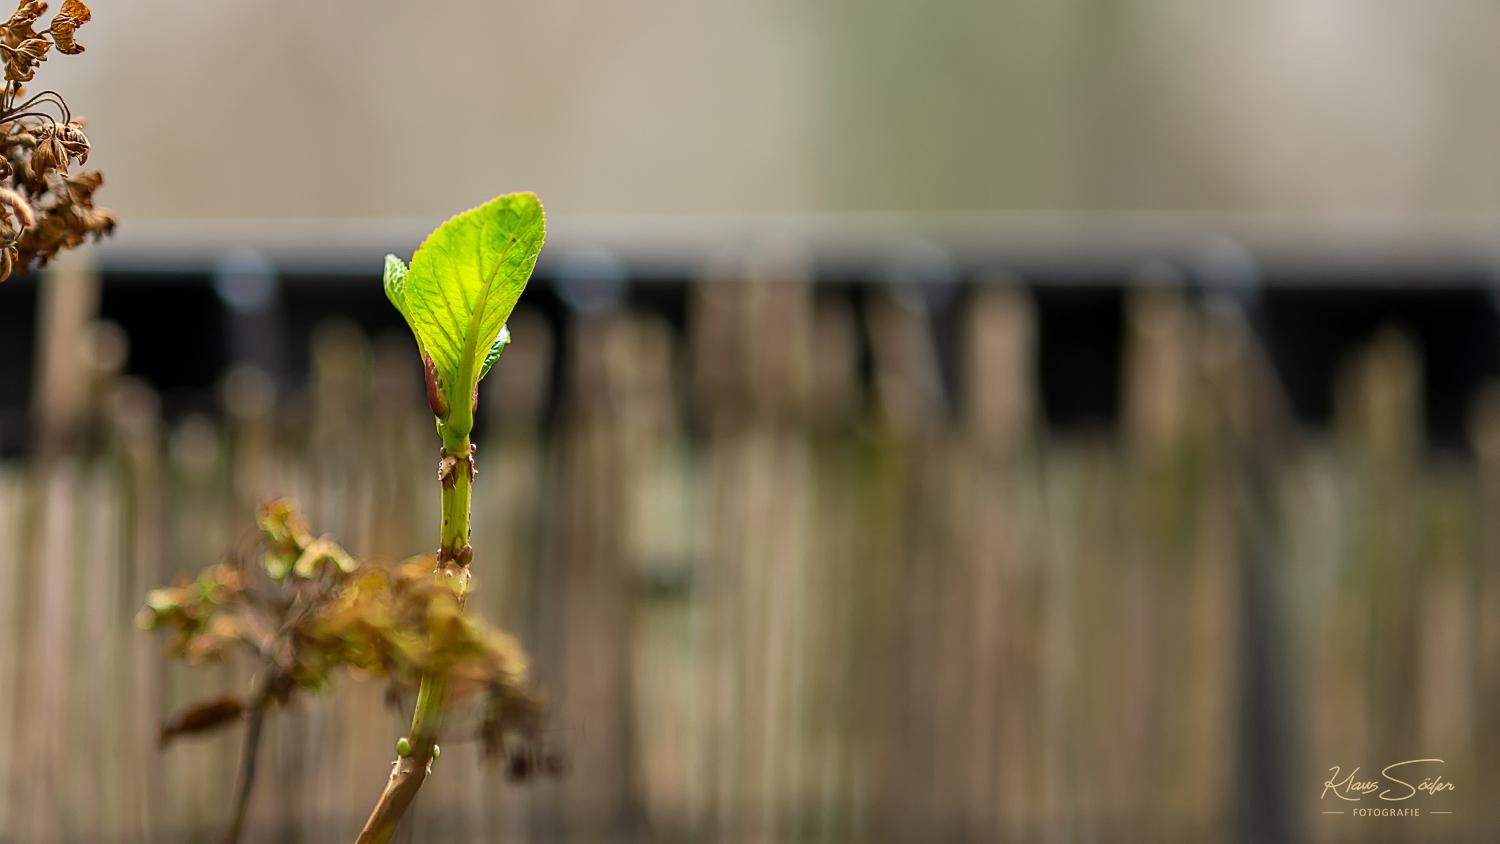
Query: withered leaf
(509,709)
(69,135)
(37,153)
(72,15)
(330,611)
(18,28)
(98,221)
(22,59)
(80,188)
(200,718)
(48,156)
(74,141)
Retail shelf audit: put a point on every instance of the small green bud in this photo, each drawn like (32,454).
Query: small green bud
(436,751)
(403,747)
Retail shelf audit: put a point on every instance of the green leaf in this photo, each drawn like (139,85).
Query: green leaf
(462,285)
(489,360)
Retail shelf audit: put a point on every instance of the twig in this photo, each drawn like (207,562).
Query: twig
(252,744)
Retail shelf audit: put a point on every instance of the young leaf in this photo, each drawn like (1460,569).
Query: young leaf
(395,285)
(463,282)
(489,360)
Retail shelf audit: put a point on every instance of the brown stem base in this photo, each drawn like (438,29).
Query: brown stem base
(407,775)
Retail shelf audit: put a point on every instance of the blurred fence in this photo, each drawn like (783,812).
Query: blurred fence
(784,590)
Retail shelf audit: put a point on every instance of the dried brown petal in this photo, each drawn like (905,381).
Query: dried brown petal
(21,60)
(7,262)
(72,15)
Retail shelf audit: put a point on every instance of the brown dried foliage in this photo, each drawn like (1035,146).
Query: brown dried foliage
(45,210)
(72,15)
(201,718)
(306,608)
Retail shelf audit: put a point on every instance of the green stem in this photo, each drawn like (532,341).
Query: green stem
(456,508)
(408,772)
(428,716)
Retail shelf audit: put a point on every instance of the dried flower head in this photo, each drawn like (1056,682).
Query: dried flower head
(40,139)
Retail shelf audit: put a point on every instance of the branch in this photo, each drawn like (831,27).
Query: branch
(268,687)
(456,473)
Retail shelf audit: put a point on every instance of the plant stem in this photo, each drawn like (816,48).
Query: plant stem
(408,772)
(272,678)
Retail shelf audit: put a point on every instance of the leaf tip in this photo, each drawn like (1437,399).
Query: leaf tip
(394,281)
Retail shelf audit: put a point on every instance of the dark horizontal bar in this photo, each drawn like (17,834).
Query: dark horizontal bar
(1354,249)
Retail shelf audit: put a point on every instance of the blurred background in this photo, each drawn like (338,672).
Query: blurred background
(950,421)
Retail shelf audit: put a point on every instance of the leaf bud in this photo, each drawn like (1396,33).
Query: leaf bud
(435,398)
